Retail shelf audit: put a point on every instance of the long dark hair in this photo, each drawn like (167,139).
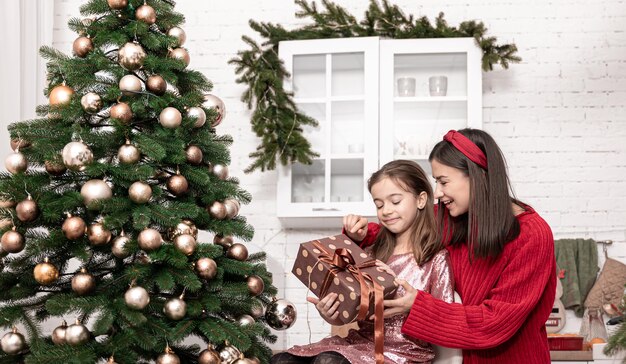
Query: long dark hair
(424,238)
(490,222)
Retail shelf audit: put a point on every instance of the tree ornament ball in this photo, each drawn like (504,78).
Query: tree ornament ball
(137,298)
(131,56)
(242,360)
(232,207)
(209,356)
(214,102)
(61,95)
(77,334)
(255,285)
(206,268)
(170,118)
(179,34)
(58,334)
(27,210)
(140,192)
(146,14)
(13,342)
(83,282)
(98,234)
(220,171)
(180,54)
(74,227)
(95,190)
(55,168)
(229,354)
(175,308)
(198,114)
(223,241)
(12,241)
(149,239)
(281,314)
(156,84)
(254,360)
(82,46)
(16,163)
(246,320)
(118,247)
(183,227)
(177,185)
(122,112)
(168,357)
(117,4)
(76,156)
(194,154)
(128,154)
(130,85)
(91,102)
(46,273)
(217,210)
(19,143)
(238,252)
(185,244)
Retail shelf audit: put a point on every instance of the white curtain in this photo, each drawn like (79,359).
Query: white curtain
(25,25)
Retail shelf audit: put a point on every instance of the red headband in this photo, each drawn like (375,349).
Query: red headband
(467,147)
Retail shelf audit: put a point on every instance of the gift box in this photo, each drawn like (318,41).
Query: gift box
(336,264)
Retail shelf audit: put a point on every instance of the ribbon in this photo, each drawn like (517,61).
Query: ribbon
(342,260)
(467,147)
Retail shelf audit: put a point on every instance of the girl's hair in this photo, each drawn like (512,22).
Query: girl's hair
(426,242)
(490,222)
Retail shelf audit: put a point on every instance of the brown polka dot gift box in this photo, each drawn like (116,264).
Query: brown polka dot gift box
(336,264)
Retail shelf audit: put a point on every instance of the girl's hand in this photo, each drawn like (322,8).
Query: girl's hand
(382,267)
(403,304)
(327,307)
(355,227)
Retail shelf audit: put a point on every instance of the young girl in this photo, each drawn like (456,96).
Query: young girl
(502,256)
(407,241)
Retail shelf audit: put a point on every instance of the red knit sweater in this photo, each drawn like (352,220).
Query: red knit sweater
(506,301)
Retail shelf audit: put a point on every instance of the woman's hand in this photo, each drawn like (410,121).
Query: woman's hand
(355,227)
(401,305)
(382,267)
(327,308)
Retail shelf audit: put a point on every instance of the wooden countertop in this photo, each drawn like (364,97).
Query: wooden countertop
(565,355)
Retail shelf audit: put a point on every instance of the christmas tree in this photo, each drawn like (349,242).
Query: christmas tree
(103,200)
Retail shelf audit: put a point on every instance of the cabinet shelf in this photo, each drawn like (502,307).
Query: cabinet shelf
(404,99)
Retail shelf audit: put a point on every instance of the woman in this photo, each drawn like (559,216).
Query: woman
(502,257)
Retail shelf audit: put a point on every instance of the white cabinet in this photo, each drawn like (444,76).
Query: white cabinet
(376,100)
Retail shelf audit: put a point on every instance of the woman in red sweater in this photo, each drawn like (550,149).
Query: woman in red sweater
(502,257)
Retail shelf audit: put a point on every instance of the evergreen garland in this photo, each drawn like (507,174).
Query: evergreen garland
(277,120)
(617,342)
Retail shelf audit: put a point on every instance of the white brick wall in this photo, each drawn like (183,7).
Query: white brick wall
(560,116)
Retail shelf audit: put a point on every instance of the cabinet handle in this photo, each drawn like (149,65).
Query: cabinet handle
(325,209)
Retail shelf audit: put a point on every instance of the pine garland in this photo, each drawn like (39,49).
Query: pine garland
(617,342)
(277,120)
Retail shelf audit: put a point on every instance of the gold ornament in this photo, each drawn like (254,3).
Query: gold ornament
(55,168)
(117,4)
(180,54)
(61,95)
(130,85)
(146,14)
(220,171)
(58,334)
(255,285)
(19,143)
(194,154)
(170,118)
(237,251)
(214,102)
(140,192)
(177,185)
(76,156)
(128,153)
(149,239)
(168,357)
(175,308)
(198,114)
(91,102)
(122,112)
(156,84)
(254,360)
(46,273)
(16,162)
(179,35)
(217,210)
(223,241)
(232,207)
(118,248)
(83,282)
(13,342)
(82,46)
(206,268)
(131,57)
(74,227)
(137,298)
(12,241)
(245,320)
(183,227)
(94,191)
(185,244)
(77,334)
(281,314)
(229,354)
(209,356)
(98,234)
(27,210)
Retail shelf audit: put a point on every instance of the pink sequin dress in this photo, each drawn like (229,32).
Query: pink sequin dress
(434,277)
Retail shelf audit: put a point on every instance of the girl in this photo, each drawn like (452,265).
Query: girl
(407,241)
(502,256)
